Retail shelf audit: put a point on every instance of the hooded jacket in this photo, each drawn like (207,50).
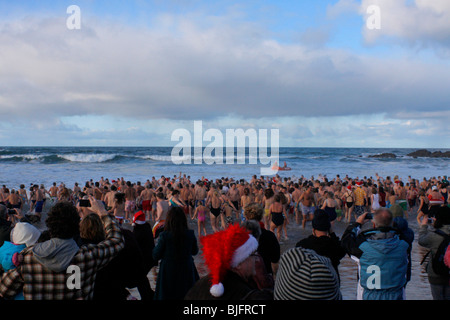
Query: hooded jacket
(382,258)
(432,240)
(55,254)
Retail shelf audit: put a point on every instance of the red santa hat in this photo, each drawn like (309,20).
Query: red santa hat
(359,183)
(139,218)
(224,250)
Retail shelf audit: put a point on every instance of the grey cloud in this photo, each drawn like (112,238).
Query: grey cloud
(49,71)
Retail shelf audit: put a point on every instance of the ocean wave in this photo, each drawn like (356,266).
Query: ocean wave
(86,157)
(22,157)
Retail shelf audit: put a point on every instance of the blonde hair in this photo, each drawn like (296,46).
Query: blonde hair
(253,211)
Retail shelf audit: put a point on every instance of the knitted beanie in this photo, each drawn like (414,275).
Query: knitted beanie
(304,275)
(321,220)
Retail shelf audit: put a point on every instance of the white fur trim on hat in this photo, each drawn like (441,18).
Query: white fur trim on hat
(244,251)
(140,222)
(217,290)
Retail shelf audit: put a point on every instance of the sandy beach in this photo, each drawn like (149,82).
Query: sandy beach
(417,289)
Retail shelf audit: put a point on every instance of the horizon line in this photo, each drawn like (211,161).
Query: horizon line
(119,146)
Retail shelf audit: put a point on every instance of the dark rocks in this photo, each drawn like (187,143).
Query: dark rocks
(428,154)
(420,153)
(384,155)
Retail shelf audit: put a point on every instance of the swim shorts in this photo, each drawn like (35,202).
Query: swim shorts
(38,207)
(146,205)
(359,210)
(130,205)
(306,210)
(403,204)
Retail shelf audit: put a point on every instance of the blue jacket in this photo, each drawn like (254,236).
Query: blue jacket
(382,257)
(7,251)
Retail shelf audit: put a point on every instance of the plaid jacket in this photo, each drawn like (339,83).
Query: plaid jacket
(41,283)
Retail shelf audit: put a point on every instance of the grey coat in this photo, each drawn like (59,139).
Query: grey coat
(431,240)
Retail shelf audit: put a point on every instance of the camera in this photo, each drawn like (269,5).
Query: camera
(12,211)
(369,216)
(430,220)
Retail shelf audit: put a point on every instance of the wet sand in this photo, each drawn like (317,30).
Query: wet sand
(417,289)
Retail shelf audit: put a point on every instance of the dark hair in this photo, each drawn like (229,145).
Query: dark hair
(176,224)
(268,193)
(160,195)
(63,220)
(254,228)
(3,212)
(442,217)
(120,197)
(91,228)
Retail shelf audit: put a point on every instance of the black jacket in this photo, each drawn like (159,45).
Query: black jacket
(329,247)
(144,237)
(5,231)
(235,289)
(268,248)
(126,270)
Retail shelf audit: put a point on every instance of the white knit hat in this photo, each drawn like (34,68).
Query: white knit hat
(25,233)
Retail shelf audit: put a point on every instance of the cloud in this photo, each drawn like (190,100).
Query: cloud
(184,71)
(420,24)
(90,86)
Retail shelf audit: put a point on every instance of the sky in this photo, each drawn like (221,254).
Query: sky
(137,70)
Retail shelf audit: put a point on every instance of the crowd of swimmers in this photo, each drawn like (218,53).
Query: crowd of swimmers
(274,203)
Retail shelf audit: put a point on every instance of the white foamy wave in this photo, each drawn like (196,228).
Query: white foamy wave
(157,158)
(23,156)
(196,158)
(83,157)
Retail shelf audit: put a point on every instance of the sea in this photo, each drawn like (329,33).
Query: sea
(45,165)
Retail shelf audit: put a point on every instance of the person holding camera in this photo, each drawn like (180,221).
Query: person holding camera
(381,255)
(44,271)
(433,239)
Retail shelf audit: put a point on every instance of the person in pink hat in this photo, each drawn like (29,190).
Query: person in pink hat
(230,257)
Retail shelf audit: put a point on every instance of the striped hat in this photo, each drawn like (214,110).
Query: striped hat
(304,275)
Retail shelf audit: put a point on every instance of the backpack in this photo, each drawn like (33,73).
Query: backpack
(438,263)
